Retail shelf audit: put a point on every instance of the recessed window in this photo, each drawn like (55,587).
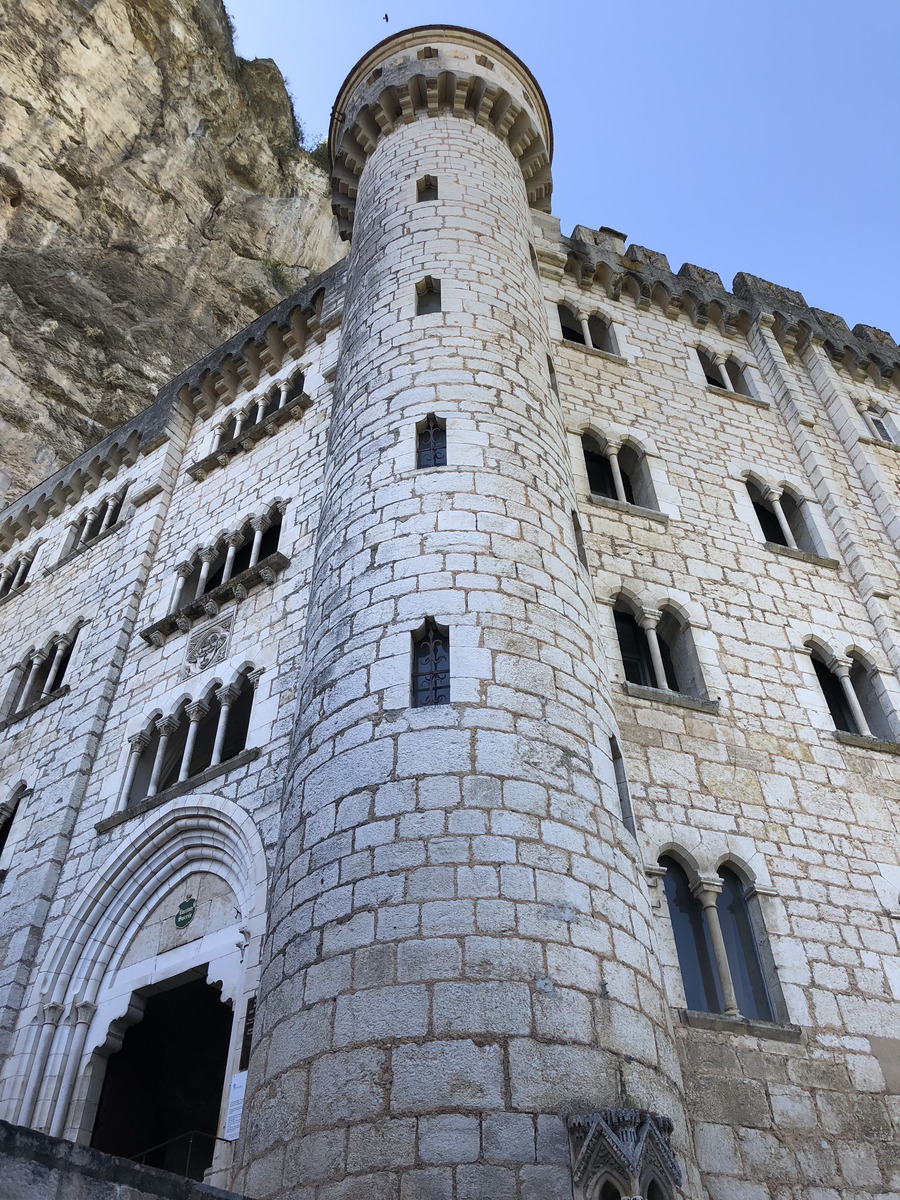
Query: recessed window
(431,665)
(729,979)
(427,52)
(728,375)
(554,385)
(428,296)
(602,335)
(658,650)
(881,424)
(570,325)
(534,260)
(431,442)
(427,188)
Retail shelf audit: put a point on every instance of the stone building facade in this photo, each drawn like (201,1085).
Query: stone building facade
(483,674)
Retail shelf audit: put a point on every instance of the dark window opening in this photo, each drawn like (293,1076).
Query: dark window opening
(625,806)
(711,370)
(428,296)
(833,692)
(632,471)
(737,377)
(741,949)
(174,753)
(242,554)
(238,721)
(702,991)
(206,737)
(428,52)
(270,537)
(534,260)
(635,650)
(601,335)
(571,326)
(579,540)
(431,442)
(295,388)
(599,471)
(768,521)
(431,666)
(7,816)
(609,1191)
(162,1092)
(216,570)
(273,400)
(427,188)
(679,657)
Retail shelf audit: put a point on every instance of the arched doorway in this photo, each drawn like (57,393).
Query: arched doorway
(162,1091)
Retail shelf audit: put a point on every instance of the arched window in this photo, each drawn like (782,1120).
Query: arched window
(602,337)
(741,949)
(724,978)
(634,648)
(766,515)
(696,959)
(679,655)
(431,665)
(601,478)
(571,326)
(836,695)
(636,476)
(873,698)
(658,651)
(712,371)
(737,378)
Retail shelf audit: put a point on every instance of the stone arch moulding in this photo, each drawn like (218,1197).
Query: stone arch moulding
(57,1033)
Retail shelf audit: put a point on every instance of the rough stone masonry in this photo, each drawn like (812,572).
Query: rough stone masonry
(617,920)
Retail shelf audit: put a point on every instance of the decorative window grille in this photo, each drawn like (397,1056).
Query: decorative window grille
(431,666)
(431,443)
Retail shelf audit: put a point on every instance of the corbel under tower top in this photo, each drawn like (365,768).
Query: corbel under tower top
(427,71)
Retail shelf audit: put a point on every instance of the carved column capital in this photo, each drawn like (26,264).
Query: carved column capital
(197,711)
(650,618)
(167,726)
(210,554)
(228,694)
(139,742)
(184,569)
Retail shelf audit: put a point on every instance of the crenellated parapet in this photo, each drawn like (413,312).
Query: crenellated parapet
(432,70)
(600,257)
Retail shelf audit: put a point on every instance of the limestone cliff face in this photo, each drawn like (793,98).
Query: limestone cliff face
(152,202)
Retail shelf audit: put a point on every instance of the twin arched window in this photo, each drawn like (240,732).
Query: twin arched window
(724,373)
(784,519)
(618,474)
(658,650)
(227,558)
(717,936)
(855,695)
(593,332)
(197,736)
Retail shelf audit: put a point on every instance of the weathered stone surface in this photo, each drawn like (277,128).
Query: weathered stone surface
(152,200)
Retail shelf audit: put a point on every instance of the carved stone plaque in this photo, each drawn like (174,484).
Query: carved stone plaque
(207,646)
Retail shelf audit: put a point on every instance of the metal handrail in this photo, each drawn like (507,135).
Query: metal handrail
(190,1134)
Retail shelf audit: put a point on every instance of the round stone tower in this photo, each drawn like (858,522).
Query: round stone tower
(459,954)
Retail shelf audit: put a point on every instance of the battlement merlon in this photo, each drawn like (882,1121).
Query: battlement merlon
(423,72)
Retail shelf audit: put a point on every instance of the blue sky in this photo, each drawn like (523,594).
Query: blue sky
(759,138)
